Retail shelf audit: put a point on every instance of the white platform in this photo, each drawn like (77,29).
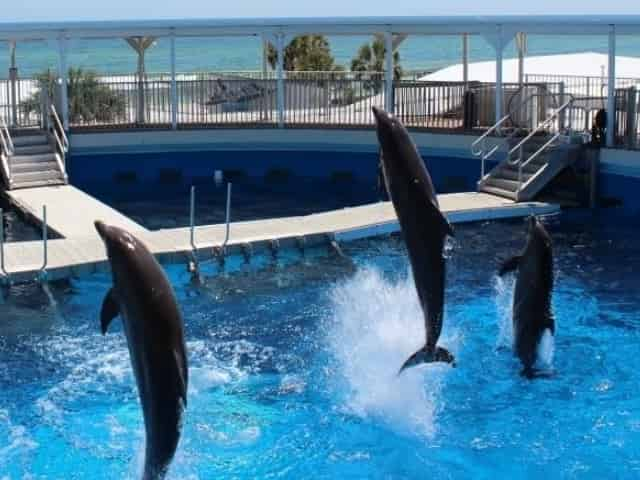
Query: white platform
(84,253)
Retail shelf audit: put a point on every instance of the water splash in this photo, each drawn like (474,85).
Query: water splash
(376,326)
(503,287)
(546,349)
(503,300)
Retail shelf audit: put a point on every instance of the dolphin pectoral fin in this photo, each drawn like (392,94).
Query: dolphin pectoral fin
(445,225)
(509,265)
(181,376)
(110,310)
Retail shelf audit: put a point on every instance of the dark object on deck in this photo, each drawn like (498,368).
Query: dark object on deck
(599,128)
(470,114)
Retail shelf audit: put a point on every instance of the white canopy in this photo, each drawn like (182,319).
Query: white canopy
(588,64)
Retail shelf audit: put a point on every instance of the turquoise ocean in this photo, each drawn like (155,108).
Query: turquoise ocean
(114,56)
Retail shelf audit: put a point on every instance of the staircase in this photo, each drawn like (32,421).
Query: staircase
(506,180)
(531,160)
(34,162)
(34,158)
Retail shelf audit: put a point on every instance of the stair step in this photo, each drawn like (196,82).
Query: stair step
(502,183)
(28,140)
(511,174)
(32,149)
(42,157)
(498,191)
(37,183)
(17,178)
(532,167)
(34,167)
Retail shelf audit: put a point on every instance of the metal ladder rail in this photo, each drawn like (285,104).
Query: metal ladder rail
(56,132)
(6,150)
(519,147)
(481,141)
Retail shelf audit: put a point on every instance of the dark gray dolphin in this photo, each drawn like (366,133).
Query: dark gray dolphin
(423,225)
(532,297)
(144,298)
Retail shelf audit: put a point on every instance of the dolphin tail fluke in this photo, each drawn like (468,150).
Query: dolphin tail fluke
(425,355)
(509,265)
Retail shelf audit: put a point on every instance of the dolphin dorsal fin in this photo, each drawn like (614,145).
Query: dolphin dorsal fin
(110,310)
(509,265)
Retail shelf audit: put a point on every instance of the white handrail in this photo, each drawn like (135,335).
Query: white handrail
(533,157)
(6,150)
(549,119)
(477,153)
(58,124)
(5,138)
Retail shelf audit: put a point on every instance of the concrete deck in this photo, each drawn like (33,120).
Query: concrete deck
(84,254)
(70,211)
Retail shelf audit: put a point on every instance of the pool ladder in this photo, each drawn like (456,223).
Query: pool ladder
(42,276)
(193,265)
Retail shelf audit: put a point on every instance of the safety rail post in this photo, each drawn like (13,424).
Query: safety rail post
(42,274)
(561,115)
(174,89)
(227,216)
(5,275)
(280,92)
(611,88)
(194,265)
(632,123)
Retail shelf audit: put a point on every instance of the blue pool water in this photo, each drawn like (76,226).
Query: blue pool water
(167,206)
(293,369)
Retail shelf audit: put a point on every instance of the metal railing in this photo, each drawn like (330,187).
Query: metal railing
(56,132)
(6,150)
(480,147)
(519,147)
(583,86)
(430,104)
(19,102)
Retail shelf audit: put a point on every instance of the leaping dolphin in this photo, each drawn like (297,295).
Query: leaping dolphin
(532,296)
(423,226)
(144,298)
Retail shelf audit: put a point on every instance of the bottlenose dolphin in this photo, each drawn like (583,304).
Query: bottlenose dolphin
(144,298)
(532,297)
(423,225)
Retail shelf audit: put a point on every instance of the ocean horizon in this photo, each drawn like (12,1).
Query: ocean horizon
(244,54)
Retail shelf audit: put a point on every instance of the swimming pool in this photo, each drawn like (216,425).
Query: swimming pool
(292,369)
(167,206)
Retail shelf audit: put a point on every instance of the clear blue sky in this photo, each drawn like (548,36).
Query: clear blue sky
(61,10)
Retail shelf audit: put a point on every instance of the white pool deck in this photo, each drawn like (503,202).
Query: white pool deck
(71,212)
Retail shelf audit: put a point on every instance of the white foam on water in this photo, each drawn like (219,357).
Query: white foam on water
(503,287)
(17,443)
(376,326)
(546,350)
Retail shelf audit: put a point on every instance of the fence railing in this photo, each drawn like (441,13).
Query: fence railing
(583,86)
(20,102)
(318,99)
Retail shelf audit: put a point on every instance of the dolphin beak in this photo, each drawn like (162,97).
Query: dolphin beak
(101,228)
(380,115)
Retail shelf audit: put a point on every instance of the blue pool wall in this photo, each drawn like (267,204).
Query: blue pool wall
(159,161)
(151,170)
